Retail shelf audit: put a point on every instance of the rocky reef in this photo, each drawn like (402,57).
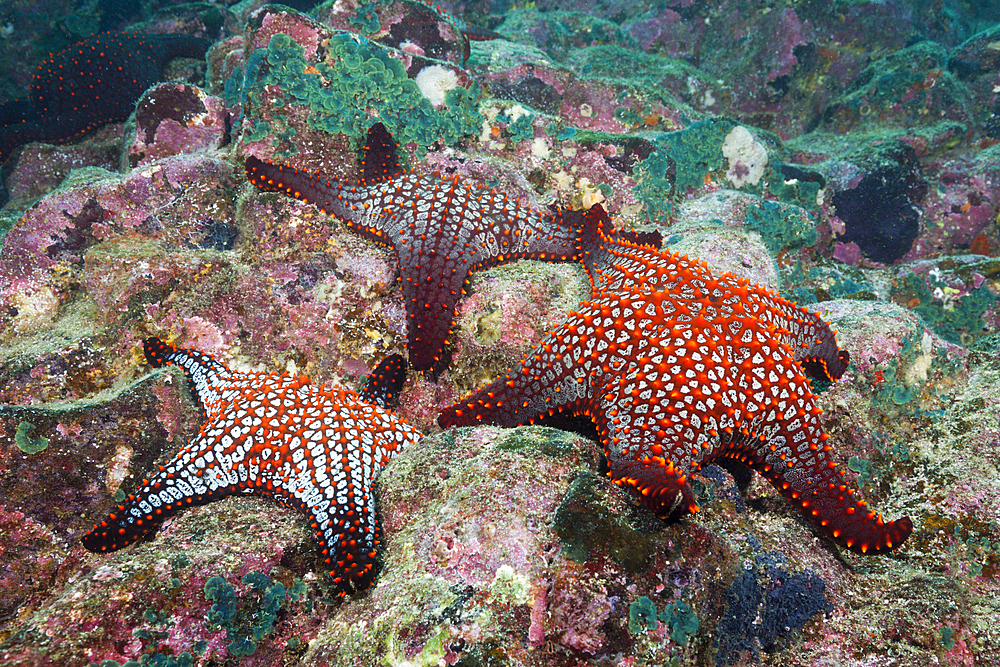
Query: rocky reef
(844,156)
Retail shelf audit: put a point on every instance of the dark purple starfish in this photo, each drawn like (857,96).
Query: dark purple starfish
(91,83)
(441,230)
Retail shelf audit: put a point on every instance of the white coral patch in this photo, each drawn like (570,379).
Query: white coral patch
(118,468)
(539,148)
(35,310)
(747,157)
(434,83)
(589,194)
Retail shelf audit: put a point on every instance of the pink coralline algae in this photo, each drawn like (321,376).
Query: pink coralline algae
(511,546)
(175,118)
(575,607)
(99,205)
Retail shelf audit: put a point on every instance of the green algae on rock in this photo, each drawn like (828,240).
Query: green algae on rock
(275,301)
(28,443)
(338,94)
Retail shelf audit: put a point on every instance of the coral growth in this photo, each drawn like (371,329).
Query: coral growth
(845,159)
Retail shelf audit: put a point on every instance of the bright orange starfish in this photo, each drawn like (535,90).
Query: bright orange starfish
(680,369)
(311,448)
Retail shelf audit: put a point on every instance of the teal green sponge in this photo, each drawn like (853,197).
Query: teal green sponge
(358,81)
(958,318)
(682,621)
(781,226)
(222,593)
(641,615)
(947,637)
(681,161)
(26,442)
(249,618)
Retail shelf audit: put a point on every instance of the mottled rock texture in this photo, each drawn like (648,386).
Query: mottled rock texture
(512,547)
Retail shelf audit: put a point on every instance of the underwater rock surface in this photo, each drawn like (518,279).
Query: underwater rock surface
(780,145)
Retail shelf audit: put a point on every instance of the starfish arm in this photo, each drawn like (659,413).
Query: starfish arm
(600,244)
(194,477)
(654,466)
(556,376)
(430,301)
(656,420)
(224,459)
(807,477)
(349,540)
(328,195)
(818,488)
(340,503)
(638,462)
(210,380)
(344,516)
(381,155)
(382,386)
(512,232)
(811,340)
(812,343)
(621,260)
(659,486)
(772,424)
(774,428)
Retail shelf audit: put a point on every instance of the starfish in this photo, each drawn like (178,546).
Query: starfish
(311,448)
(679,369)
(91,83)
(440,229)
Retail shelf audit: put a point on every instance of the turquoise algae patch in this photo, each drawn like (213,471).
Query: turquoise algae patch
(641,615)
(681,160)
(517,127)
(682,621)
(679,618)
(358,81)
(782,227)
(250,617)
(28,443)
(954,314)
(366,19)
